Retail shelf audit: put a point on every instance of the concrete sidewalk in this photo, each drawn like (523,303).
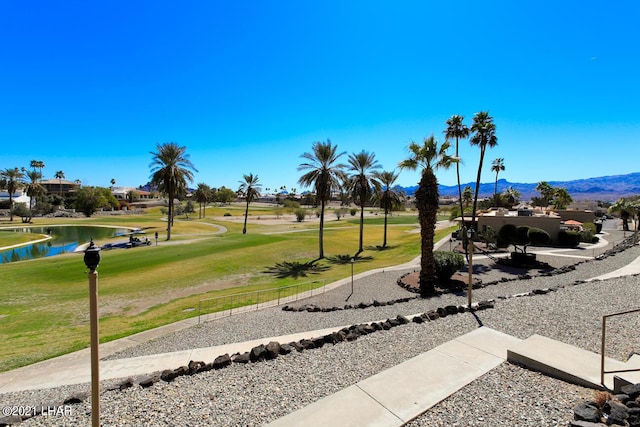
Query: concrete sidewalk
(399,394)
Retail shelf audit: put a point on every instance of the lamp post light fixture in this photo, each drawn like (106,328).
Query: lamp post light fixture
(470,250)
(92,260)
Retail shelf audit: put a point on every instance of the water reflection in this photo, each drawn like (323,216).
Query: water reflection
(63,239)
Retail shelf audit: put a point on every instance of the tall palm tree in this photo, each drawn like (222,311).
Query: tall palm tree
(170,171)
(467,196)
(511,195)
(34,189)
(457,129)
(202,195)
(561,198)
(12,181)
(546,191)
(324,174)
(388,197)
(483,134)
(362,182)
(59,176)
(429,157)
(496,166)
(251,190)
(37,164)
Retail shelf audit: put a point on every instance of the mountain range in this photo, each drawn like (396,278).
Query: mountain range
(605,188)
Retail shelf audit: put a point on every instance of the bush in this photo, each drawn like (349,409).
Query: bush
(353,211)
(447,263)
(291,204)
(538,237)
(568,239)
(507,235)
(300,214)
(227,214)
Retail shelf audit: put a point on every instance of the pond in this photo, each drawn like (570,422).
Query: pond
(64,239)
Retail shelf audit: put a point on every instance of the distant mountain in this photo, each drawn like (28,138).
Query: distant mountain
(605,188)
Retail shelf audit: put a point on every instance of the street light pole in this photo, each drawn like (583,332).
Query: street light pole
(92,259)
(470,250)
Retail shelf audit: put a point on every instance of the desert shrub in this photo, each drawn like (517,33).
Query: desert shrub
(317,212)
(489,236)
(353,211)
(340,213)
(522,236)
(21,210)
(568,239)
(447,263)
(507,234)
(300,214)
(227,214)
(590,226)
(291,204)
(538,236)
(587,236)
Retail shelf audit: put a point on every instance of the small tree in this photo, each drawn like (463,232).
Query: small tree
(300,214)
(23,212)
(447,263)
(189,208)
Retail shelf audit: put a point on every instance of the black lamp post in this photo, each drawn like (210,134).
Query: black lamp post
(470,237)
(92,260)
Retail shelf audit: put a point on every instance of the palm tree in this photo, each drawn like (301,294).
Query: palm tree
(623,207)
(34,188)
(324,174)
(511,195)
(496,166)
(361,183)
(388,197)
(202,195)
(429,157)
(483,134)
(37,164)
(251,190)
(546,191)
(467,196)
(170,171)
(113,182)
(561,198)
(59,176)
(457,129)
(11,180)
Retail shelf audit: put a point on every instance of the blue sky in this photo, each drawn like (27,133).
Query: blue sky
(90,88)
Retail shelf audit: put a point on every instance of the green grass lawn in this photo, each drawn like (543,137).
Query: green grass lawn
(45,308)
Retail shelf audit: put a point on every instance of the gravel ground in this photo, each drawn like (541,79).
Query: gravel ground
(254,394)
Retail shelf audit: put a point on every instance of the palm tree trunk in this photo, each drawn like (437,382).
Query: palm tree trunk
(462,226)
(10,205)
(427,203)
(246,214)
(170,213)
(475,198)
(321,234)
(495,191)
(360,247)
(384,239)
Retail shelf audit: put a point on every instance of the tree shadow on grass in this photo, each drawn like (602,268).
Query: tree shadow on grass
(346,259)
(295,269)
(379,248)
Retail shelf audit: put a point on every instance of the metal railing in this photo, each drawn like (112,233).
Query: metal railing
(602,347)
(227,305)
